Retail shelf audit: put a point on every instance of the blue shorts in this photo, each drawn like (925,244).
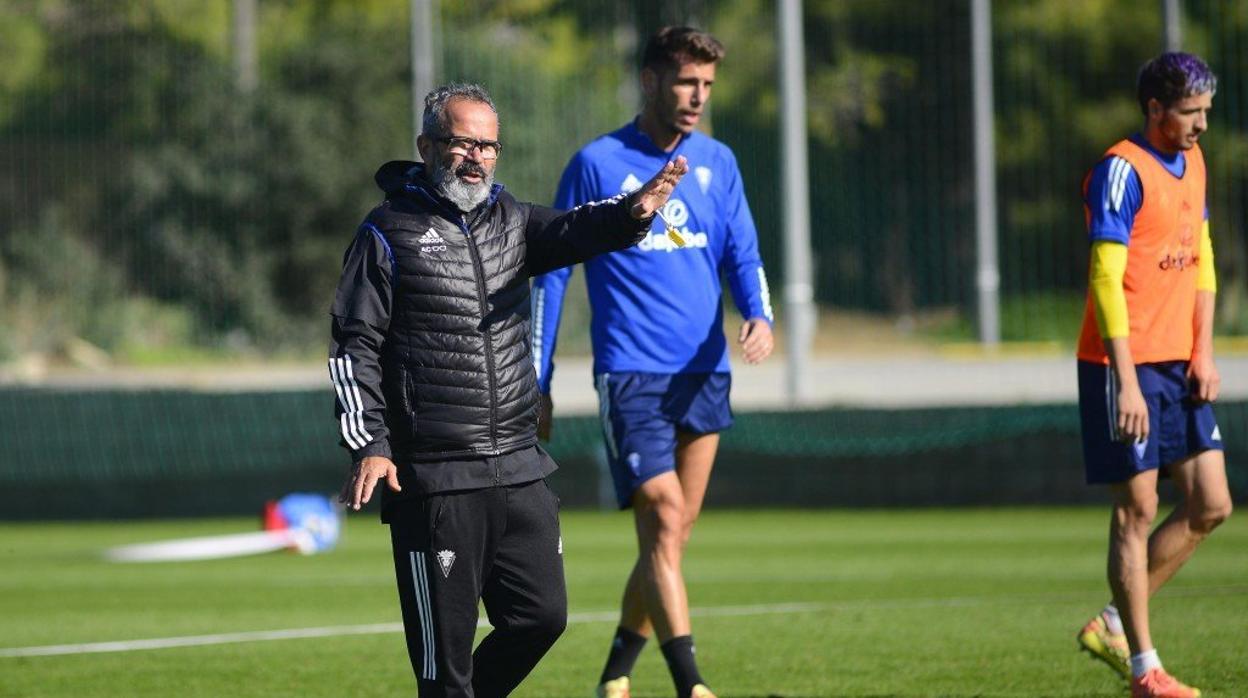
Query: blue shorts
(641,413)
(1177,426)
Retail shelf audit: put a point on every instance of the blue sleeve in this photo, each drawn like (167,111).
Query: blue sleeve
(575,188)
(548,290)
(1114,196)
(742,263)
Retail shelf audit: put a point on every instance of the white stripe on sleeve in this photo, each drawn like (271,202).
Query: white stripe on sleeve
(764,292)
(1118,173)
(348,429)
(359,404)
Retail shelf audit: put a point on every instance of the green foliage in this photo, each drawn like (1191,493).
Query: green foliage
(59,287)
(224,213)
(233,207)
(22,53)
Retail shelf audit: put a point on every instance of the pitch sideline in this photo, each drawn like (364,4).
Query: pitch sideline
(344,630)
(586,617)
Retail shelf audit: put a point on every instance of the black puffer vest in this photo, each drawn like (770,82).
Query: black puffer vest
(457,371)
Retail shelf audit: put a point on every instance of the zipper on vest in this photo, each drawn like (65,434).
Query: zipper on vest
(483,300)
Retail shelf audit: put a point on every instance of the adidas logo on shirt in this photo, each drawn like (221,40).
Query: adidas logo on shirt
(432,242)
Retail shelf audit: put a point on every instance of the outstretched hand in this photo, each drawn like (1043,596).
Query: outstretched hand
(655,193)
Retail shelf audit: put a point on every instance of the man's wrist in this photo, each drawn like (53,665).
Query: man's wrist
(375,448)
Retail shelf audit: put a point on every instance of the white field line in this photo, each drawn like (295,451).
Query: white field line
(591,617)
(342,630)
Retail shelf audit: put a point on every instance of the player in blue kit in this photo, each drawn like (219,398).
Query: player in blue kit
(660,355)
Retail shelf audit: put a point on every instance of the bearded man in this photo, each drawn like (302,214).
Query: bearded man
(437,396)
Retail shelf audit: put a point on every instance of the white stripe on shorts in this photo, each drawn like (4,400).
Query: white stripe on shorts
(1111,403)
(601,382)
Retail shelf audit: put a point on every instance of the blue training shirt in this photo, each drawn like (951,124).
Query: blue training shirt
(656,307)
(1115,193)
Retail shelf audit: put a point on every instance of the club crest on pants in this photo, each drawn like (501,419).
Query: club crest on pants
(446,558)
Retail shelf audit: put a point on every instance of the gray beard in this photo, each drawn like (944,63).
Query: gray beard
(466,197)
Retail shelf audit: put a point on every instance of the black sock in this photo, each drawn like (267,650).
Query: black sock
(625,649)
(678,652)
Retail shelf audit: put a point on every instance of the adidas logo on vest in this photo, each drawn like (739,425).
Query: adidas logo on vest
(432,242)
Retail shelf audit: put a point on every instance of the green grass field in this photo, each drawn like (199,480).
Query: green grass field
(897,603)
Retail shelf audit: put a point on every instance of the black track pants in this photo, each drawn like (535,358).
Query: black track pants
(500,545)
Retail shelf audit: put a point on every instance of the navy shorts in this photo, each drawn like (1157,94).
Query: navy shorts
(641,413)
(1178,427)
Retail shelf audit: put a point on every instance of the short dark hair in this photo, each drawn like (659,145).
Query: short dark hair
(434,121)
(1173,76)
(671,46)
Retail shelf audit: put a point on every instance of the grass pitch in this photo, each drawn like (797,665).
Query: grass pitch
(795,603)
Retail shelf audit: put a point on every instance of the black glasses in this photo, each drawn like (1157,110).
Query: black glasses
(462,146)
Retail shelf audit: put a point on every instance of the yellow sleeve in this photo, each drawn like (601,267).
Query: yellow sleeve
(1108,268)
(1206,277)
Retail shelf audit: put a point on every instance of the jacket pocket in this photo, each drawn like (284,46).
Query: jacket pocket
(400,416)
(409,401)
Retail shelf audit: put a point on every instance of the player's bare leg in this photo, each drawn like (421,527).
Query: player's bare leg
(1206,503)
(695,457)
(1135,507)
(659,515)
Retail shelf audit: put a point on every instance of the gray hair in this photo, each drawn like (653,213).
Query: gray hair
(434,123)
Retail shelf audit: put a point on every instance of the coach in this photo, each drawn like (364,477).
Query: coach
(437,395)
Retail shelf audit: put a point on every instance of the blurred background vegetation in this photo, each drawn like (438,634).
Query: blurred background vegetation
(154,207)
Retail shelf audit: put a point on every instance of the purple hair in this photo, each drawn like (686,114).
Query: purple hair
(1173,76)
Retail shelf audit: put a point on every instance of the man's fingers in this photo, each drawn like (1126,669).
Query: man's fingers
(1132,426)
(756,341)
(392,481)
(370,482)
(357,495)
(1208,391)
(655,193)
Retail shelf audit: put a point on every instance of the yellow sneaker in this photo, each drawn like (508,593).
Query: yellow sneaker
(615,688)
(701,691)
(1156,683)
(1112,649)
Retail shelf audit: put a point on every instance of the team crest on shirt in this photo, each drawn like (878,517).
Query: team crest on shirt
(703,173)
(446,558)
